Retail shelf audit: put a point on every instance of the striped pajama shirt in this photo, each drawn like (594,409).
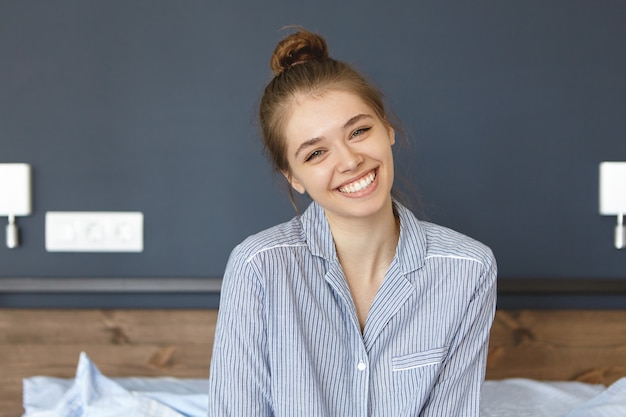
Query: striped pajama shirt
(288,341)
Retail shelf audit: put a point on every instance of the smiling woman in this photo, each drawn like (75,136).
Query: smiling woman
(355,307)
(348,165)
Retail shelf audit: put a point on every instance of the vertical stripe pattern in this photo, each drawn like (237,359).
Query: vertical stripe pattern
(288,342)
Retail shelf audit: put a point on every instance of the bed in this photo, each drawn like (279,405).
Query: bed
(541,362)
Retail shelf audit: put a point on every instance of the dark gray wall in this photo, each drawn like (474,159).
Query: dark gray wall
(150,106)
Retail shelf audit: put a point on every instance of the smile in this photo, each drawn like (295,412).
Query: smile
(359,185)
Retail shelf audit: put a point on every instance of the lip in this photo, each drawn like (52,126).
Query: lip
(356,179)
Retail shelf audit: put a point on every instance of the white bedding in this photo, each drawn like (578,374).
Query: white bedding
(91,394)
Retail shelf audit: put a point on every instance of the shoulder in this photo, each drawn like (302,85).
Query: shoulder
(445,242)
(463,257)
(431,240)
(288,234)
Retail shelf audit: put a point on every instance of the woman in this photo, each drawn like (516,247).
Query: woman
(355,307)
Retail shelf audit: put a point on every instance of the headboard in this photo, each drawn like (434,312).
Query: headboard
(584,345)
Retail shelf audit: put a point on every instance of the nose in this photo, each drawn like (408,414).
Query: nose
(349,159)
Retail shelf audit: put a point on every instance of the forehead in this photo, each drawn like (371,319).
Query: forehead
(317,115)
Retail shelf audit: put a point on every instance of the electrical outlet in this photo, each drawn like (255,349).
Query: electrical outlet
(94,231)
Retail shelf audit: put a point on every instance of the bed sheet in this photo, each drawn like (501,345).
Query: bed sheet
(91,394)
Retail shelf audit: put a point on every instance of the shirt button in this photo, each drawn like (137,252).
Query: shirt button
(361,366)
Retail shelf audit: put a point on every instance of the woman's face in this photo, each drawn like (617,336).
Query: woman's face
(339,152)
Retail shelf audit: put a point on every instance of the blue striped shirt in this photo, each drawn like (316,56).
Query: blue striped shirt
(288,341)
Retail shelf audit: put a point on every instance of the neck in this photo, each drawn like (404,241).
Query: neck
(369,243)
(365,248)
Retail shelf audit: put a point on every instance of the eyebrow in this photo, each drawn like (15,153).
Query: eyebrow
(352,121)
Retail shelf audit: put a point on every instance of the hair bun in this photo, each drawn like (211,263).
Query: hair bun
(298,48)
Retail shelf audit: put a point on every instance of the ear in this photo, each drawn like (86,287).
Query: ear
(295,184)
(392,135)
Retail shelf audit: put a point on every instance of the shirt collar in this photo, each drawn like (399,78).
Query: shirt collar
(317,232)
(411,250)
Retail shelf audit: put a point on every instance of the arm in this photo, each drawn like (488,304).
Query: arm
(239,382)
(458,389)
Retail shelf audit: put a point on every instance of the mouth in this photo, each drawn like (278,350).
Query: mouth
(360,184)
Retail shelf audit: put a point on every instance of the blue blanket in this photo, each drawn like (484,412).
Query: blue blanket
(91,394)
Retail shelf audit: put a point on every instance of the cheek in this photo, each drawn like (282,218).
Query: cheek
(383,151)
(313,180)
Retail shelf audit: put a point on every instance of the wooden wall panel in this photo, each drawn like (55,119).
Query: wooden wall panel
(174,343)
(586,345)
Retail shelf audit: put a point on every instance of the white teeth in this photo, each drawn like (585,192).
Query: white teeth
(359,185)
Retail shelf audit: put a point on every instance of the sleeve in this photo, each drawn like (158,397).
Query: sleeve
(458,388)
(239,380)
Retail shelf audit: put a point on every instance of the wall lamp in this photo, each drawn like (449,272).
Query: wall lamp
(15,197)
(613,197)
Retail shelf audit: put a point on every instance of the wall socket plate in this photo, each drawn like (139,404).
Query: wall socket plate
(94,231)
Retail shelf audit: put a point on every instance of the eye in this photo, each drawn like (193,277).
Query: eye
(314,155)
(360,131)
